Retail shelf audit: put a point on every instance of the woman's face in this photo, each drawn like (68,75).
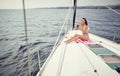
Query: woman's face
(82,22)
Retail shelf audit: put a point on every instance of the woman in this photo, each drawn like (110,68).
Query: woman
(84,29)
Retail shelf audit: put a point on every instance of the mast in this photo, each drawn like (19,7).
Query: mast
(74,13)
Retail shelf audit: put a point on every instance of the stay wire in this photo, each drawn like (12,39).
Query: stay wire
(113,10)
(26,36)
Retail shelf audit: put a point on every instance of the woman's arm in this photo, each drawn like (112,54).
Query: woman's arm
(84,29)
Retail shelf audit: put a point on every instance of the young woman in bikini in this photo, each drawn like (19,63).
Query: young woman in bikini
(84,30)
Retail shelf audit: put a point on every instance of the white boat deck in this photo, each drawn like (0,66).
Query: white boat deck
(76,59)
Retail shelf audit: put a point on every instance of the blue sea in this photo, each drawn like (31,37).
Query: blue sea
(43,28)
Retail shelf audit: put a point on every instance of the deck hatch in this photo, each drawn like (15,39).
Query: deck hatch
(95,46)
(99,49)
(112,61)
(102,51)
(110,58)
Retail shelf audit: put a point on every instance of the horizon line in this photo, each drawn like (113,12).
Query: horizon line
(61,7)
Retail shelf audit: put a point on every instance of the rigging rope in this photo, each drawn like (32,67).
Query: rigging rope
(113,10)
(107,7)
(62,27)
(26,36)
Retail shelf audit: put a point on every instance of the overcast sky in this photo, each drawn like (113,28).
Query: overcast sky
(17,4)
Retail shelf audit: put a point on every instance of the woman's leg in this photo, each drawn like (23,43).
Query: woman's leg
(82,37)
(72,39)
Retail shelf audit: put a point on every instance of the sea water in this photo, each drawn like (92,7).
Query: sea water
(43,26)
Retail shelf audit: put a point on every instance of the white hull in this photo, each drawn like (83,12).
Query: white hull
(76,59)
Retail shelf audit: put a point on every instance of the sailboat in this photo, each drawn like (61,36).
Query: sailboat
(98,57)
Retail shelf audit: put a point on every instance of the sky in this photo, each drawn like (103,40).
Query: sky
(17,4)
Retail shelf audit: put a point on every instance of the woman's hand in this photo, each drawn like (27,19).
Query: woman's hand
(77,21)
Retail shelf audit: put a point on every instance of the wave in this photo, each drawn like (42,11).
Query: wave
(23,48)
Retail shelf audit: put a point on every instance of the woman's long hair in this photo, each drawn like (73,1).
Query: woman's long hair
(85,21)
